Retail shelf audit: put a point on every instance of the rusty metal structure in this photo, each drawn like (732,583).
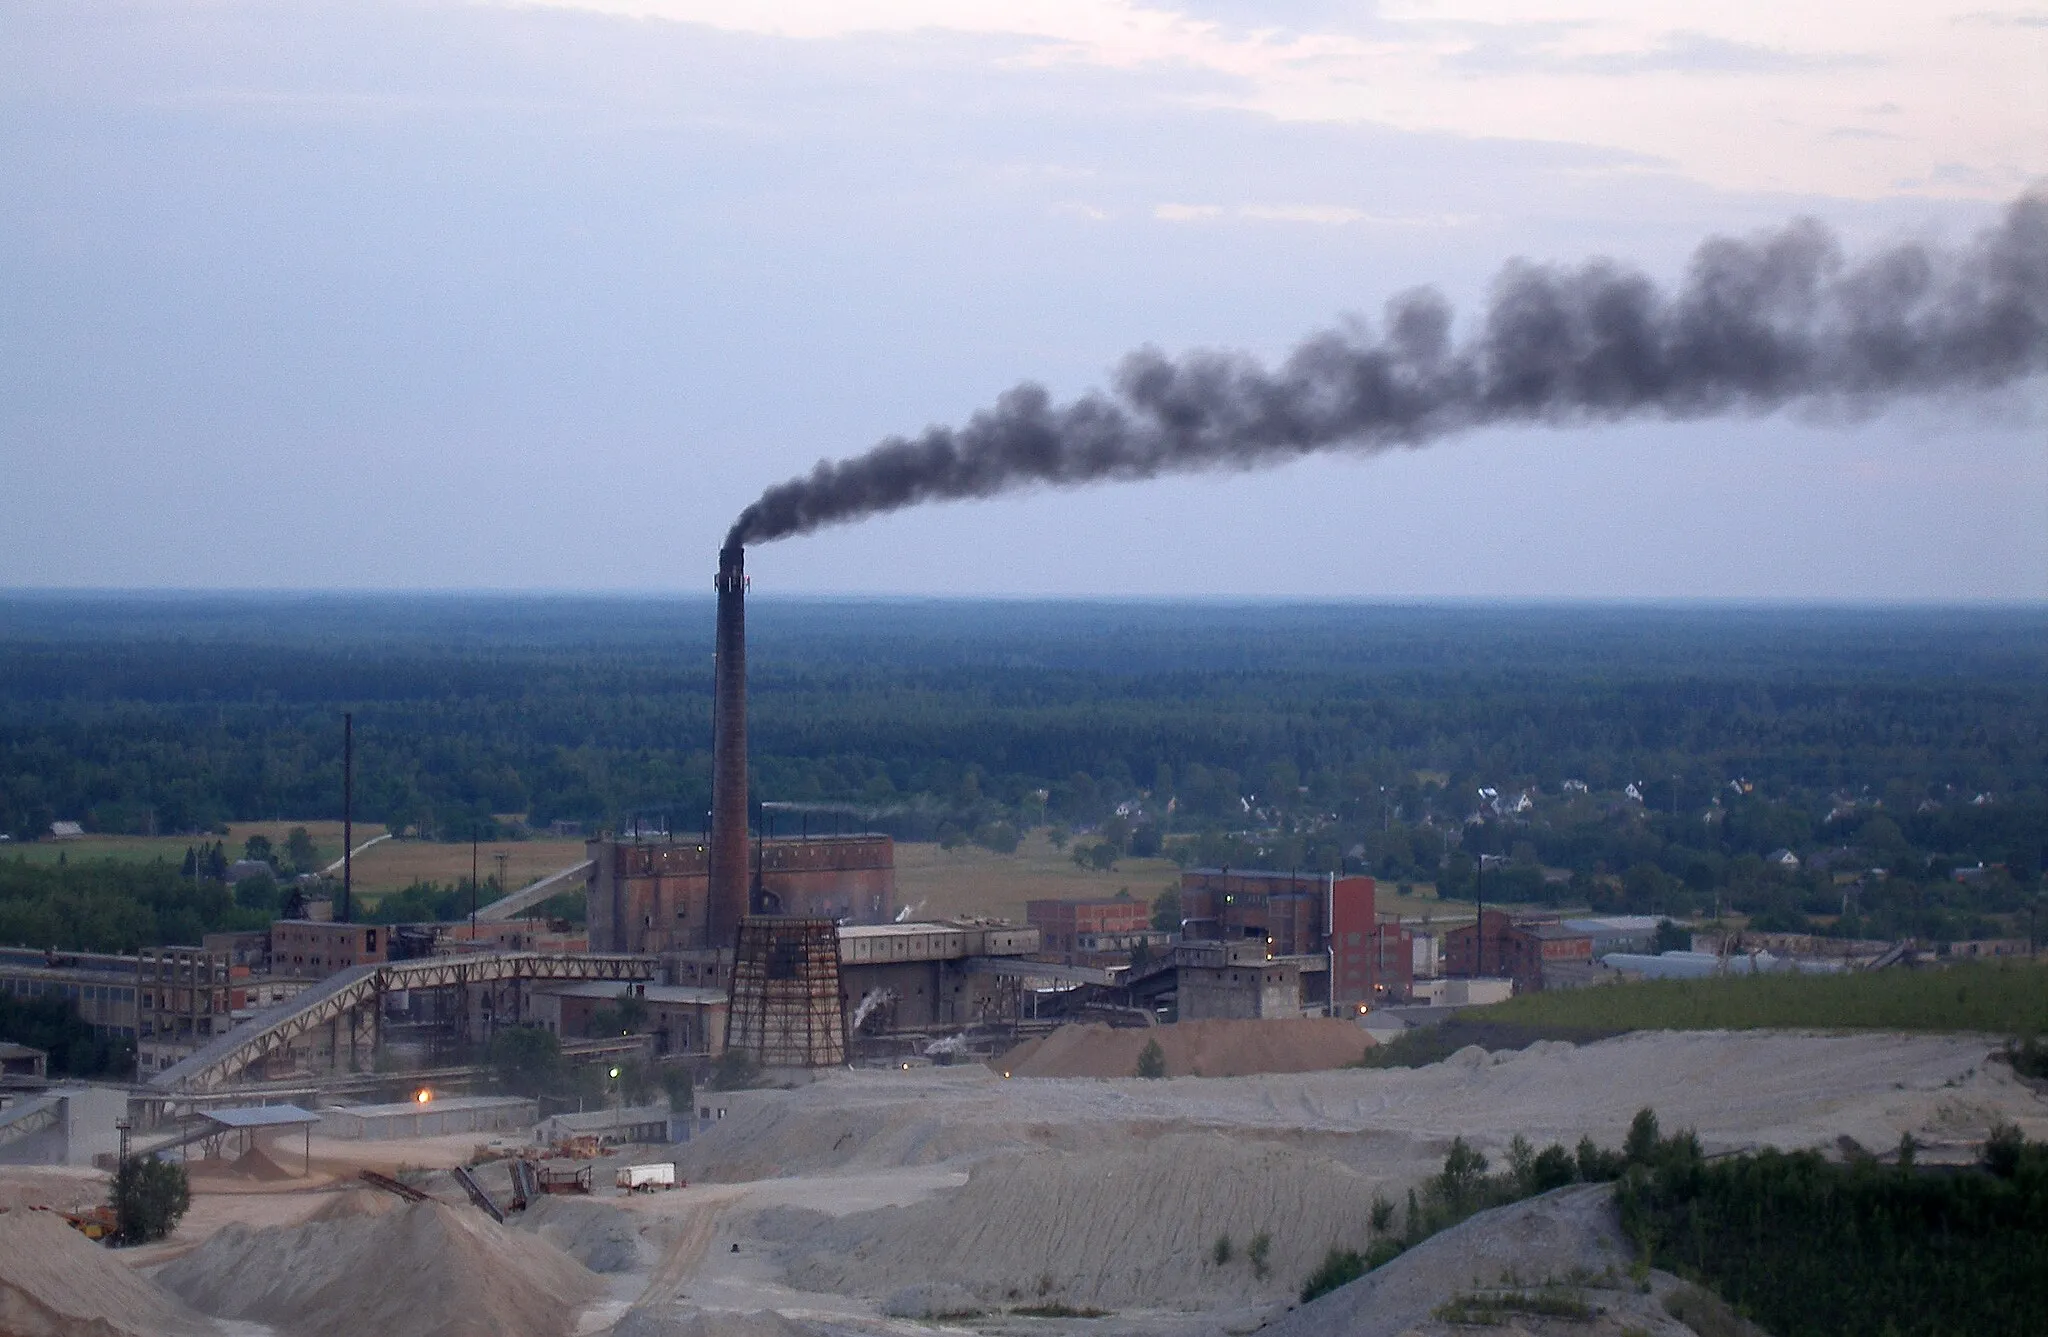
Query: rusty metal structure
(786,1011)
(349,1005)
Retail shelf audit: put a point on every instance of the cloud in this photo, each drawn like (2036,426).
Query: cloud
(1319,215)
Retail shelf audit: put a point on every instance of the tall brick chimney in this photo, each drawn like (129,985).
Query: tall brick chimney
(729,872)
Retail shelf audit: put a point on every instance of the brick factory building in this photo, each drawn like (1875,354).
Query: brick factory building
(1070,929)
(651,897)
(316,948)
(1522,951)
(1294,914)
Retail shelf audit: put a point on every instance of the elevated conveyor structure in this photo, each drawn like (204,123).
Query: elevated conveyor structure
(533,893)
(361,988)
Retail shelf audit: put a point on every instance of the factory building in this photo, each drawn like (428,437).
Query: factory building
(654,897)
(1093,932)
(682,1020)
(315,949)
(101,986)
(1235,980)
(909,977)
(1316,918)
(1520,950)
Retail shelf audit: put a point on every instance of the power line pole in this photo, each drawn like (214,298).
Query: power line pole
(348,812)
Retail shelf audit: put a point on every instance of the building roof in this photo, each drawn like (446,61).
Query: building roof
(1551,932)
(261,1116)
(898,930)
(1616,923)
(9,1049)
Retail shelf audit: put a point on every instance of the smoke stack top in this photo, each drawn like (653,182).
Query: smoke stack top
(1756,325)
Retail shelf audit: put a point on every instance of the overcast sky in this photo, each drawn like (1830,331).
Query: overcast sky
(472,295)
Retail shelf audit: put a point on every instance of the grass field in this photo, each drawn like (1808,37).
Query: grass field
(972,880)
(399,863)
(1993,998)
(388,866)
(2001,998)
(141,849)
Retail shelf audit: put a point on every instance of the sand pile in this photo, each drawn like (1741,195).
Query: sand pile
(1193,1048)
(54,1282)
(256,1164)
(598,1235)
(418,1268)
(803,1131)
(1114,1228)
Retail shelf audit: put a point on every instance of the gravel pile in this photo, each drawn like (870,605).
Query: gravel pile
(54,1282)
(1192,1048)
(414,1268)
(1113,1228)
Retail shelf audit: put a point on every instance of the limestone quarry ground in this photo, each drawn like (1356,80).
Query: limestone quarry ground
(958,1199)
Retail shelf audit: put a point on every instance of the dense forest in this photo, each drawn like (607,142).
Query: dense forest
(1648,757)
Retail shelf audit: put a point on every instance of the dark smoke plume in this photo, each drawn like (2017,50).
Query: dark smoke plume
(1756,325)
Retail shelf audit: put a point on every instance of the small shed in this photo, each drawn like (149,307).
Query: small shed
(246,1123)
(23,1061)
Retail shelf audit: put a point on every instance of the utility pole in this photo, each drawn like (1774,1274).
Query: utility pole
(503,857)
(475,833)
(1479,924)
(348,811)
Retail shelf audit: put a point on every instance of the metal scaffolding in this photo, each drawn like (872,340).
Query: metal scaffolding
(784,1007)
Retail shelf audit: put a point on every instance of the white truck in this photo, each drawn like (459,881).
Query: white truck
(646,1178)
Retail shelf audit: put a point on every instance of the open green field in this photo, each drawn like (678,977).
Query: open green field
(974,881)
(1999,998)
(141,849)
(1991,998)
(387,866)
(971,880)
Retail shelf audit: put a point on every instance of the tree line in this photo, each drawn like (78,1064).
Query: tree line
(1285,736)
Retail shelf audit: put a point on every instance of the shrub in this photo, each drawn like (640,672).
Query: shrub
(1258,1252)
(149,1199)
(1340,1267)
(1222,1251)
(1813,1248)
(1151,1060)
(735,1070)
(526,1061)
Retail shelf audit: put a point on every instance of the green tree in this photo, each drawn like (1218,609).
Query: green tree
(257,892)
(1671,937)
(1151,1060)
(299,848)
(257,847)
(680,1086)
(626,1015)
(1166,910)
(734,1070)
(149,1198)
(526,1061)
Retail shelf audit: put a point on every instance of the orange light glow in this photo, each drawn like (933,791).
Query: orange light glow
(422,1096)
